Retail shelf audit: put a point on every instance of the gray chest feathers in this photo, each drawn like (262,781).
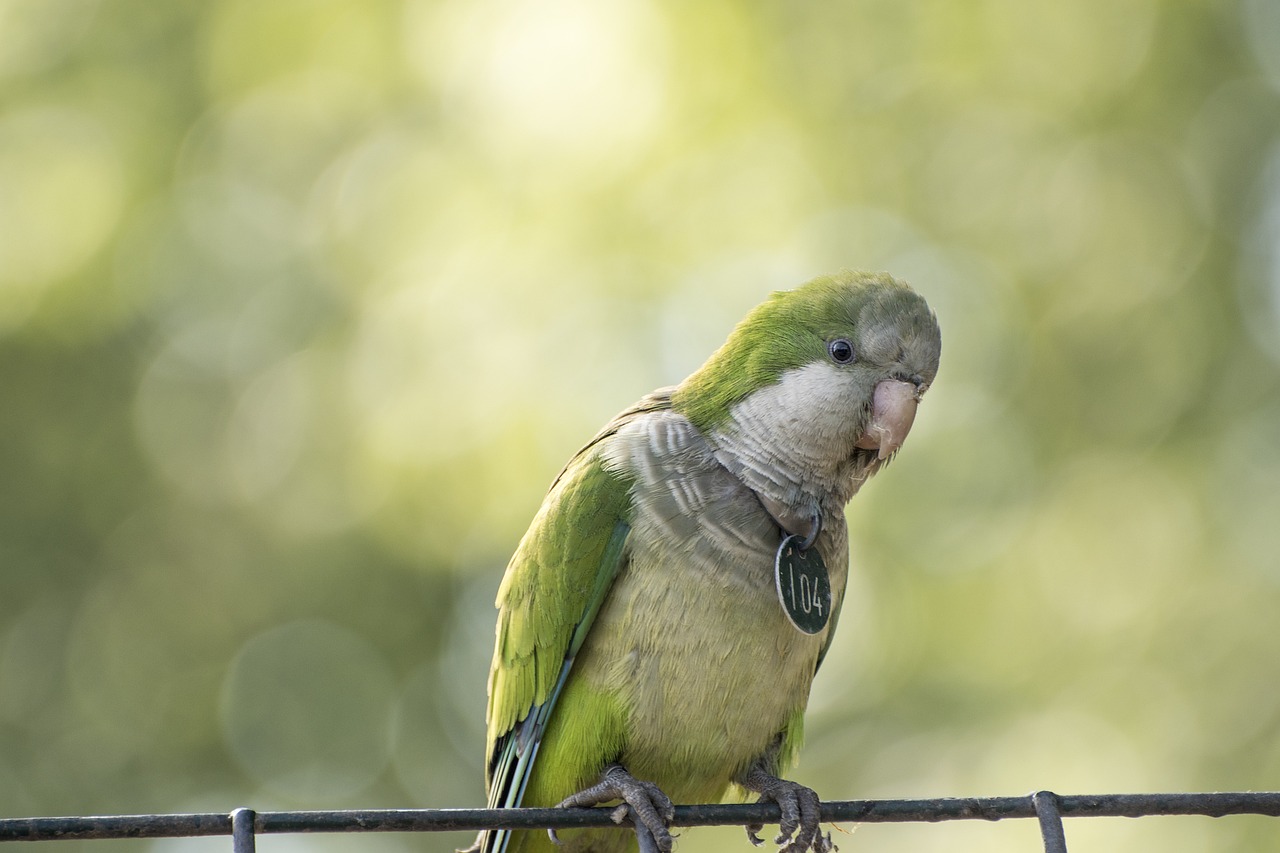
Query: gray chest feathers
(693,637)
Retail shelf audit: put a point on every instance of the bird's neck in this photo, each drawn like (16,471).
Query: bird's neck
(792,486)
(795,464)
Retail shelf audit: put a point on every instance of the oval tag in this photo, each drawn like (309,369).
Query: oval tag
(804,588)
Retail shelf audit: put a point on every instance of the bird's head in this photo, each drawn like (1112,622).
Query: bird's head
(820,382)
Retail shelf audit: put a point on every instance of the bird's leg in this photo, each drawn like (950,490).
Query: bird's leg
(799,830)
(651,810)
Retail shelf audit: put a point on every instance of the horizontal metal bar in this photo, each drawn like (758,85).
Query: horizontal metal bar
(114,826)
(460,820)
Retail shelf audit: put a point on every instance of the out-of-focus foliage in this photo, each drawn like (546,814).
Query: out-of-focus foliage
(303,304)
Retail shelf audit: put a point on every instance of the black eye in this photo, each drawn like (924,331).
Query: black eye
(841,351)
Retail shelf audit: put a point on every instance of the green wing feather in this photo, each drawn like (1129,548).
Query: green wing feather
(555,585)
(560,574)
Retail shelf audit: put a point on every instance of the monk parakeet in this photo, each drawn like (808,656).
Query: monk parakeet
(662,619)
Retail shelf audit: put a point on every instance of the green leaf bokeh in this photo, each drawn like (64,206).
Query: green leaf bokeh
(303,304)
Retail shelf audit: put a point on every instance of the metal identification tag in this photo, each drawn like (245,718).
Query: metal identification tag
(804,587)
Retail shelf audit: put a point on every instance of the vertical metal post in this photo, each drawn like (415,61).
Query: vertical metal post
(1046,806)
(242,840)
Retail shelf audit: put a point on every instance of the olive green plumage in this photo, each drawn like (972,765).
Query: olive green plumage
(542,603)
(638,622)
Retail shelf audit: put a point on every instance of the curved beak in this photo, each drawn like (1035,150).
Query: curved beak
(893,410)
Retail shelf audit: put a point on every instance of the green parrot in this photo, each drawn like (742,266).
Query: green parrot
(661,621)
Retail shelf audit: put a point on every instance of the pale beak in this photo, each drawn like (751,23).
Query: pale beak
(893,409)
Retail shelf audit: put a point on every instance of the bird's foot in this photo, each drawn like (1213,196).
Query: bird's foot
(650,810)
(800,830)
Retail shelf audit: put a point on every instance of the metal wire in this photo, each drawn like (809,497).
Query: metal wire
(243,839)
(244,824)
(1046,805)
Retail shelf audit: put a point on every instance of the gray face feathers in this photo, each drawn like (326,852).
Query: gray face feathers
(869,327)
(817,388)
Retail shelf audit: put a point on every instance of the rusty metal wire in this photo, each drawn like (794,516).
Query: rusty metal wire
(245,824)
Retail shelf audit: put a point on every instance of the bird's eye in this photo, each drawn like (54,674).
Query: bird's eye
(841,351)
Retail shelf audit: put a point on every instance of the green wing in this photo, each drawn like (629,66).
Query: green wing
(557,580)
(555,585)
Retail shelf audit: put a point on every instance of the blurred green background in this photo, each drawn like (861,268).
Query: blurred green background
(303,304)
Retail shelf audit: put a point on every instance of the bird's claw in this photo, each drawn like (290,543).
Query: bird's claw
(752,836)
(649,809)
(799,830)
